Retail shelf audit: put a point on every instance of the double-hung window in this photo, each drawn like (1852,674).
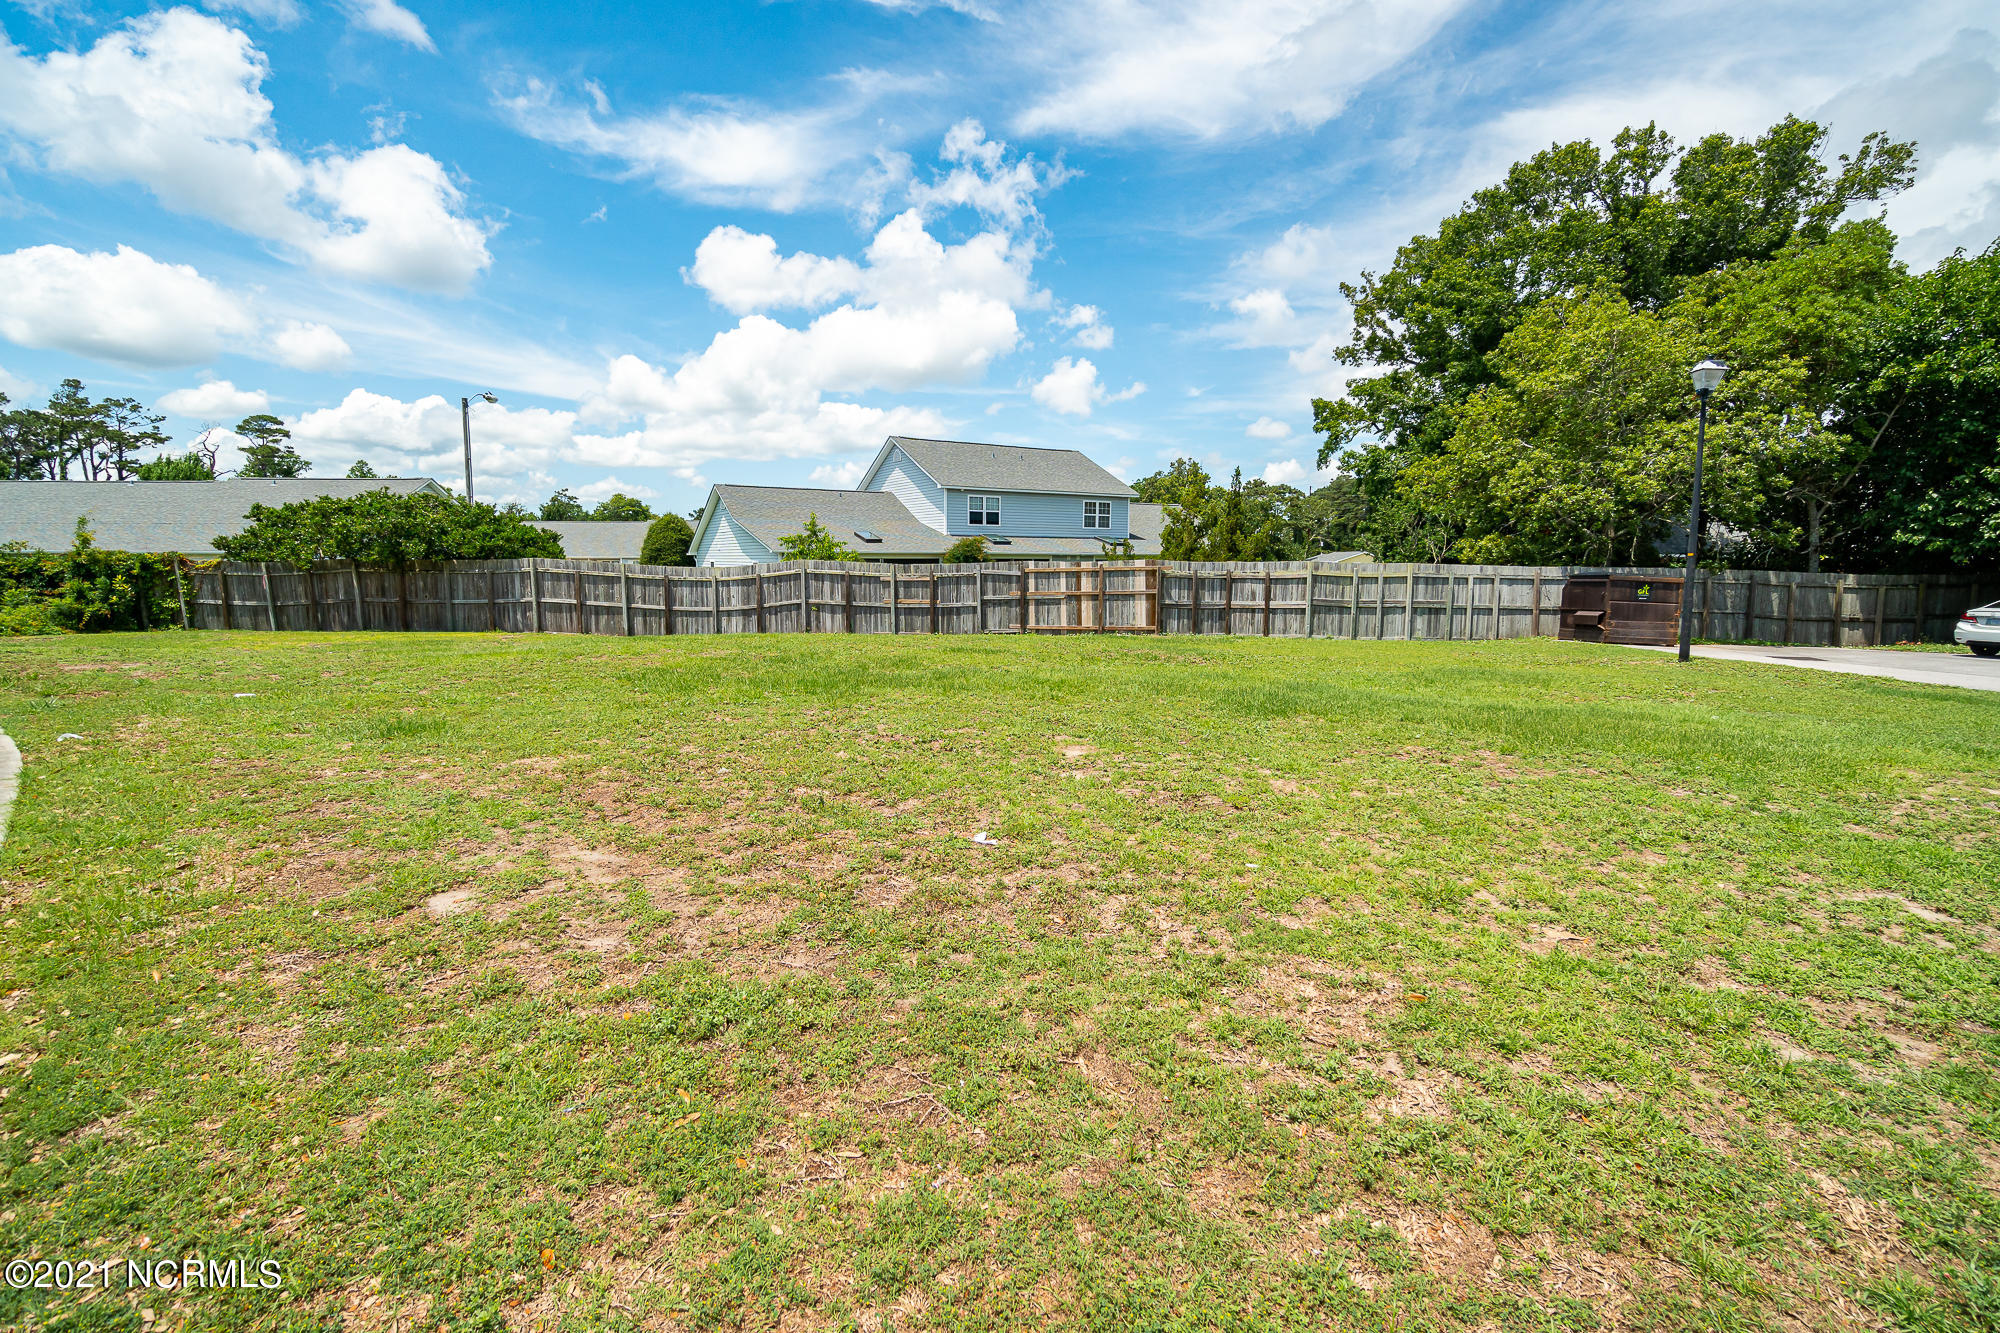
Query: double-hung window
(1097,514)
(982,511)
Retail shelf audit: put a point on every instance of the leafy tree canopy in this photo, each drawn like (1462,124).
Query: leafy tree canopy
(190,466)
(621,508)
(381,528)
(813,542)
(360,469)
(269,453)
(667,541)
(562,507)
(76,436)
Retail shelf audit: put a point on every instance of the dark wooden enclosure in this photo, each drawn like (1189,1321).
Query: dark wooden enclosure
(1621,608)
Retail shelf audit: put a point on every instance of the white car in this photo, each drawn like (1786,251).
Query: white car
(1979,630)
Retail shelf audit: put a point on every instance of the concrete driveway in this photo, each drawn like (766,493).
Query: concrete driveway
(1960,668)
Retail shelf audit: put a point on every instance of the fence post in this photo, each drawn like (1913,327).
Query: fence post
(666,602)
(222,587)
(1496,607)
(360,610)
(1835,634)
(492,607)
(1381,604)
(180,589)
(1881,596)
(847,601)
(1021,577)
(715,598)
(1309,599)
(312,598)
(535,593)
(1535,615)
(979,598)
(757,591)
(1791,602)
(1917,633)
(1749,604)
(625,596)
(805,597)
(895,602)
(1707,600)
(1267,603)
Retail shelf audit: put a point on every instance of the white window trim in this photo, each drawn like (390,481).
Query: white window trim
(982,511)
(1096,515)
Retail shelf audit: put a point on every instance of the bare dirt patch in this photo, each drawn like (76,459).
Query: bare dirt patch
(1449,1245)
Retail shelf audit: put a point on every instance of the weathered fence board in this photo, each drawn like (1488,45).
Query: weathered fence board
(1278,600)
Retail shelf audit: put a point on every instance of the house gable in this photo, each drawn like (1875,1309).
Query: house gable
(897,474)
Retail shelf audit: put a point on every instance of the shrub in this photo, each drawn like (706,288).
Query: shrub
(813,542)
(380,528)
(667,542)
(84,590)
(966,551)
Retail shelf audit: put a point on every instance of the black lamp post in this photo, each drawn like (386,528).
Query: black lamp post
(1706,376)
(465,423)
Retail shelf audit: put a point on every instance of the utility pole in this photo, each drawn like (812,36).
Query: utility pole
(465,424)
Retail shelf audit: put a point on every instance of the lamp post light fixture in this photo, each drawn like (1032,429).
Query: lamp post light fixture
(1706,376)
(465,424)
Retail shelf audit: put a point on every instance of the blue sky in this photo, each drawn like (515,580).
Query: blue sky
(746,242)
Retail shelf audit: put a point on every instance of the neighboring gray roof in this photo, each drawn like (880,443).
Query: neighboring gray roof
(772,513)
(1343,558)
(962,466)
(162,516)
(599,539)
(1146,521)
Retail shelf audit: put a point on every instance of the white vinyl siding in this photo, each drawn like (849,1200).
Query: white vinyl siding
(1027,514)
(727,542)
(900,477)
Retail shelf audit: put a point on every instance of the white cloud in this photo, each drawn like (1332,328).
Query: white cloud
(742,272)
(307,346)
(1207,69)
(838,476)
(421,438)
(217,400)
(1091,330)
(607,487)
(1267,319)
(16,387)
(173,101)
(715,151)
(1072,388)
(277,13)
(126,307)
(386,18)
(1285,472)
(986,179)
(1267,428)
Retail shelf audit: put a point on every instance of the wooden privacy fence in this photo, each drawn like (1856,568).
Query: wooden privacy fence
(1286,600)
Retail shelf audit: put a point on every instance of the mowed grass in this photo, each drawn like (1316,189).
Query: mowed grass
(555,983)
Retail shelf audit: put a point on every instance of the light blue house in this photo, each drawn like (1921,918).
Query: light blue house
(918,497)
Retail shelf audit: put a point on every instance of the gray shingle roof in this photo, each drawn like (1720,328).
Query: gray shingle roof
(600,539)
(1145,522)
(161,516)
(772,513)
(960,465)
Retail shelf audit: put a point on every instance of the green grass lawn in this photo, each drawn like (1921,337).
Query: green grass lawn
(558,983)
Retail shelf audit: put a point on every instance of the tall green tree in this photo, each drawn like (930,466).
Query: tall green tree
(360,470)
(562,507)
(1642,219)
(269,453)
(1931,486)
(621,508)
(667,541)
